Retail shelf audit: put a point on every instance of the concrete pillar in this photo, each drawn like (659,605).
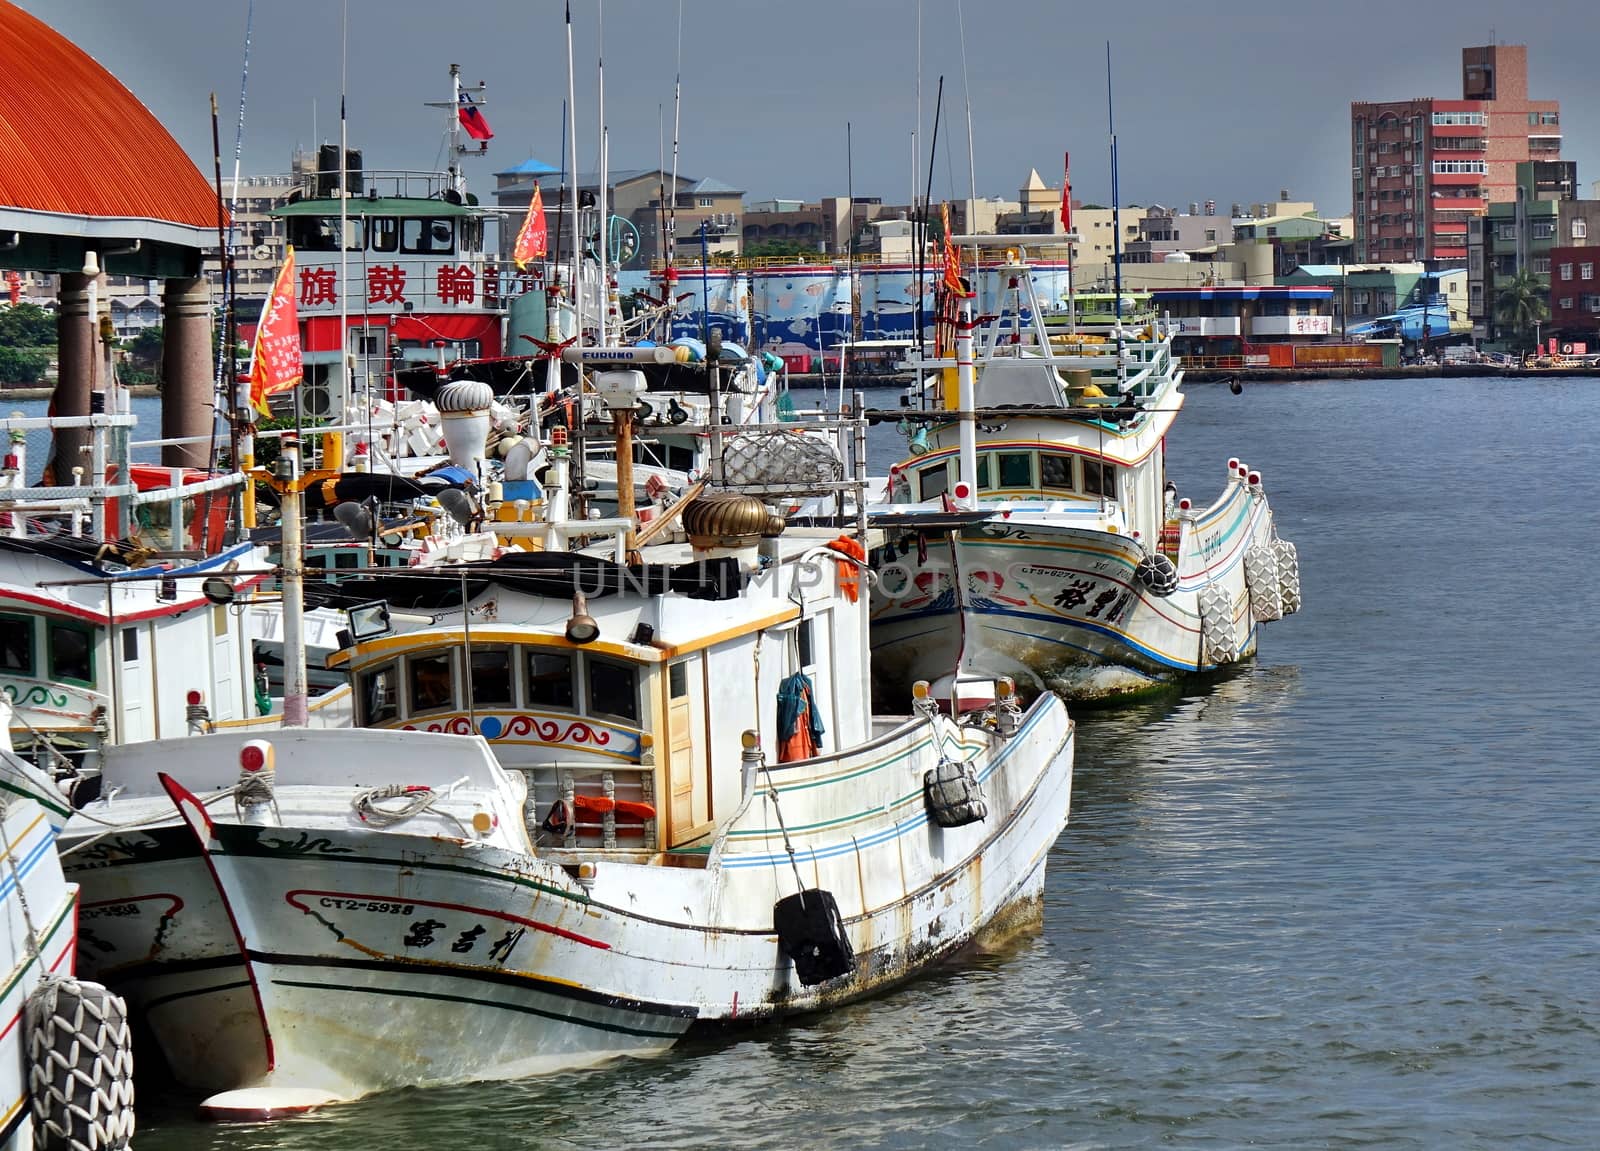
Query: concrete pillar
(75,359)
(187,368)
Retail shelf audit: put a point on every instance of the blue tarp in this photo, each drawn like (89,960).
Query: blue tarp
(1406,323)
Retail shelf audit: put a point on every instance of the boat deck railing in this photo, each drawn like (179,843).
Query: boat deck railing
(85,504)
(381,182)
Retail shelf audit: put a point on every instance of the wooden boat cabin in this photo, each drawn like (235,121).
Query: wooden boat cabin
(626,724)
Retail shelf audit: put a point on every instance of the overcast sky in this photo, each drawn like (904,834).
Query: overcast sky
(1225,101)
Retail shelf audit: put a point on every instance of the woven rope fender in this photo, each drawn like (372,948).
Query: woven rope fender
(1217,644)
(80,1067)
(1288,576)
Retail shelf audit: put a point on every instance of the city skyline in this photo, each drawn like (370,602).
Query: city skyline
(1232,106)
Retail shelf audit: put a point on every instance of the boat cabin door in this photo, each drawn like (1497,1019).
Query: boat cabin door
(689,793)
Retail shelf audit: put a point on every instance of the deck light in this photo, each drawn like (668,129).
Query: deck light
(218,590)
(368,620)
(581,628)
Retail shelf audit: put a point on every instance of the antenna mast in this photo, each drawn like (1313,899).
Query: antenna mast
(603,239)
(1116,225)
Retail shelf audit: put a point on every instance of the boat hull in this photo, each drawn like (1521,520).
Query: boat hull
(1059,606)
(34,899)
(376,959)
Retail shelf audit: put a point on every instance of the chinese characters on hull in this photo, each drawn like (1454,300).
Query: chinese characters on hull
(387,285)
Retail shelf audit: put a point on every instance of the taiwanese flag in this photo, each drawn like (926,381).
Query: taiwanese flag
(472,118)
(275,355)
(531,240)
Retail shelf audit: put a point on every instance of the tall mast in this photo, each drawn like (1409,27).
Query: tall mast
(1116,224)
(677,105)
(922,243)
(972,163)
(602,242)
(552,310)
(577,191)
(455,127)
(344,208)
(916,132)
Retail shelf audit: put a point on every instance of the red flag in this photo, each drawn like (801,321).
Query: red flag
(533,236)
(1066,191)
(952,263)
(472,118)
(275,355)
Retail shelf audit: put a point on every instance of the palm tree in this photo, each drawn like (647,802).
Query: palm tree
(1520,304)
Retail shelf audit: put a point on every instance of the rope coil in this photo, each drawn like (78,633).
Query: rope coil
(414,799)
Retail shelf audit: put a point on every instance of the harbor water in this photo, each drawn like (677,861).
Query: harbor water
(1348,896)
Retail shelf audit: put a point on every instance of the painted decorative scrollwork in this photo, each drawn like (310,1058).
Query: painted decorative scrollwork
(35,696)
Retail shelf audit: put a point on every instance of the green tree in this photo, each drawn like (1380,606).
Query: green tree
(27,326)
(1520,304)
(22,365)
(142,362)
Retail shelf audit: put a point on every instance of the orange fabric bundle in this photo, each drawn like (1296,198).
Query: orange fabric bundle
(849,573)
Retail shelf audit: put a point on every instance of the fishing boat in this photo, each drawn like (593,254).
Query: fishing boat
(37,942)
(124,613)
(1032,530)
(609,794)
(66,1072)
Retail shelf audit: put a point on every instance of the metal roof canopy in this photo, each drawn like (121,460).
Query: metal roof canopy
(91,170)
(56,243)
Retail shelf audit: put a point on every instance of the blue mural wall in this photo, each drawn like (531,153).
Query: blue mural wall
(809,308)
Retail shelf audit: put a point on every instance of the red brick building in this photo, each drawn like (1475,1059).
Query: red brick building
(1422,168)
(1575,294)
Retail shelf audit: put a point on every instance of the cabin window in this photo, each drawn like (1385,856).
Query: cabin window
(803,641)
(424,236)
(491,677)
(983,471)
(678,679)
(429,682)
(1100,479)
(1016,469)
(935,481)
(385,233)
(16,644)
(613,689)
(1055,470)
(130,645)
(321,233)
(549,680)
(375,690)
(71,652)
(347,559)
(660,455)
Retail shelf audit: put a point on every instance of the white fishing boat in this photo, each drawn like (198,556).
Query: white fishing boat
(66,1072)
(591,806)
(1033,532)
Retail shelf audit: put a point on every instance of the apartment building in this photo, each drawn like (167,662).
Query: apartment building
(1422,168)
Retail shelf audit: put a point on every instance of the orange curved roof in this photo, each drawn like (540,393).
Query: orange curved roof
(76,142)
